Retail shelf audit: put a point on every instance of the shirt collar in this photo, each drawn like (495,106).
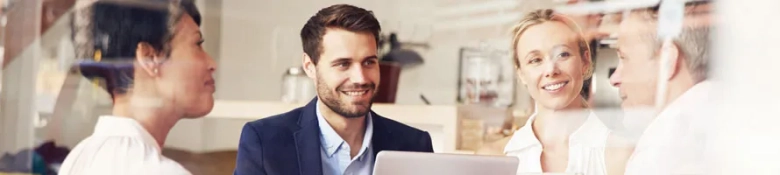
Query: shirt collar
(524,137)
(123,126)
(331,141)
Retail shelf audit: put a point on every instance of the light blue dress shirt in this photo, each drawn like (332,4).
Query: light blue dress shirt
(335,151)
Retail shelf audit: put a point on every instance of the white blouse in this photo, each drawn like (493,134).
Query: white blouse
(119,146)
(586,148)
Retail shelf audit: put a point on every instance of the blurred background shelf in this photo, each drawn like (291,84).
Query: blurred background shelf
(220,129)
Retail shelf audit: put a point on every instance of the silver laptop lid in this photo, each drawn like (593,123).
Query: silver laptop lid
(416,163)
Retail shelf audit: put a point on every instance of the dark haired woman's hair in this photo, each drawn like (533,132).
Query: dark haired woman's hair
(106,35)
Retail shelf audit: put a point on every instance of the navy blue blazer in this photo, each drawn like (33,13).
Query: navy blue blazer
(289,143)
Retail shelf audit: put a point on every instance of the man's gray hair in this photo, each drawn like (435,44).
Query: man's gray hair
(693,41)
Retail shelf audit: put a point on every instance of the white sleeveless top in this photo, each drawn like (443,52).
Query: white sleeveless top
(586,148)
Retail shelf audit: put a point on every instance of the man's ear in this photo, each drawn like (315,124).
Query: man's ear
(147,58)
(672,52)
(309,66)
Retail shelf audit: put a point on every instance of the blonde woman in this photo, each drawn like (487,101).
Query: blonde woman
(552,60)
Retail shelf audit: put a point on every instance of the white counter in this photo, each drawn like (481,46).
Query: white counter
(221,129)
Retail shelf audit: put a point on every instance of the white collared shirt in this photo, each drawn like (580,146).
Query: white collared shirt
(586,148)
(335,152)
(119,146)
(673,143)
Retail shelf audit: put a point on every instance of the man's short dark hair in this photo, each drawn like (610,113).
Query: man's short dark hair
(341,16)
(111,32)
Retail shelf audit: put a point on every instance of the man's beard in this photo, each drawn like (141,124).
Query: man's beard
(331,99)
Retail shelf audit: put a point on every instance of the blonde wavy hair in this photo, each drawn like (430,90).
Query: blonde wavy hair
(548,15)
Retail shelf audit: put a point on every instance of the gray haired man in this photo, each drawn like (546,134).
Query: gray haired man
(673,141)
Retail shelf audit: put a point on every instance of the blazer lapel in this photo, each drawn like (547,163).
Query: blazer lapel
(307,141)
(383,138)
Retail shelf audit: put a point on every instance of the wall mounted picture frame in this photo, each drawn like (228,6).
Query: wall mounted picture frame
(485,76)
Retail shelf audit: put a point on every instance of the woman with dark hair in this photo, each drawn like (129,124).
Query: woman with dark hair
(148,56)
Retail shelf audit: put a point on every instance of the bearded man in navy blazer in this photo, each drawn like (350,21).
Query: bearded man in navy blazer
(336,133)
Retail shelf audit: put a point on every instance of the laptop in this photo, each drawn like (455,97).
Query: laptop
(417,163)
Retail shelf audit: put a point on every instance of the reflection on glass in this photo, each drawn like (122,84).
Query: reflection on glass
(2,45)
